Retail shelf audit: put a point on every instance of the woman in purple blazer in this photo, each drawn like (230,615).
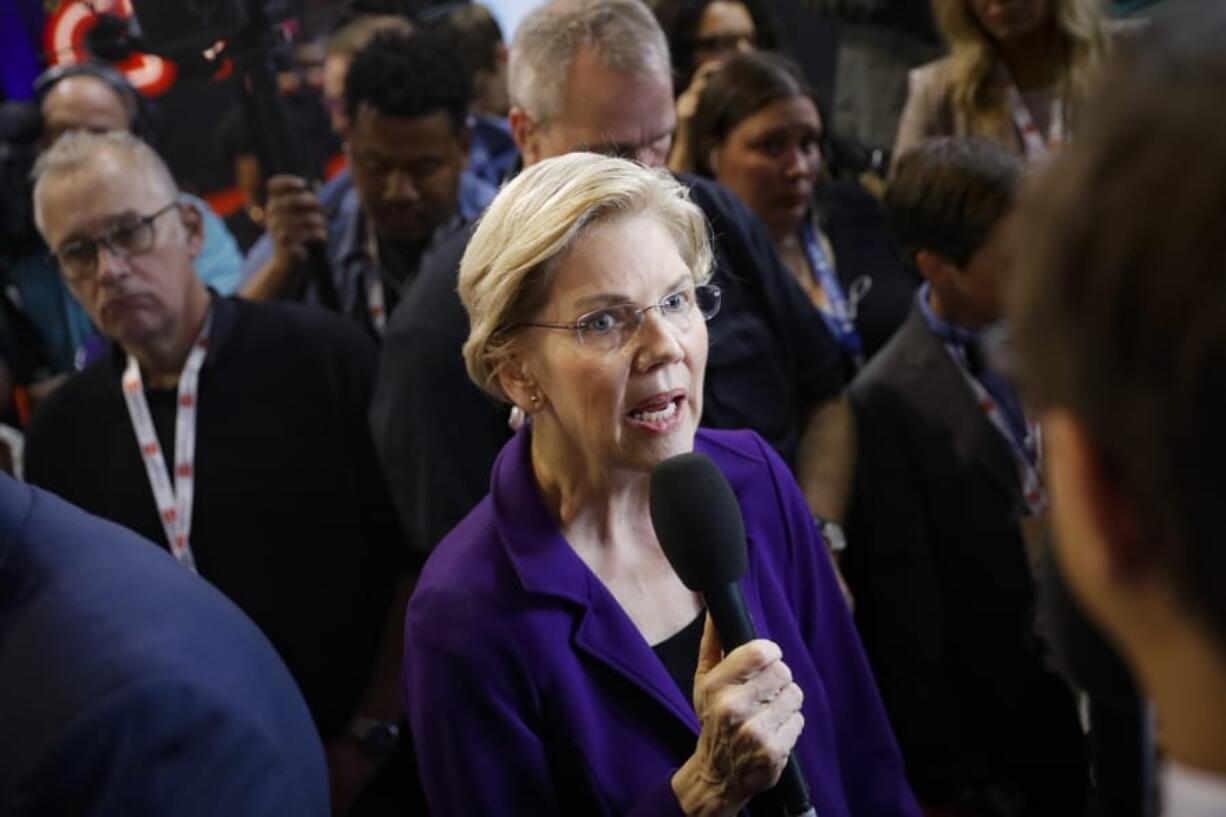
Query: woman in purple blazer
(554,663)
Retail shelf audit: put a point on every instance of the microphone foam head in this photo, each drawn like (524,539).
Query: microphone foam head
(698,521)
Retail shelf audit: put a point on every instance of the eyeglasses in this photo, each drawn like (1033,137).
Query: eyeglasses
(79,258)
(611,327)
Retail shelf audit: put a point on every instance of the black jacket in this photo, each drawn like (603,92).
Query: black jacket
(945,601)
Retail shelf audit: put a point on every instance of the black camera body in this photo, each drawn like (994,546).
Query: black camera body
(173,27)
(20,125)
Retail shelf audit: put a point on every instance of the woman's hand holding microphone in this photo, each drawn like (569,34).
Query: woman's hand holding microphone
(749,709)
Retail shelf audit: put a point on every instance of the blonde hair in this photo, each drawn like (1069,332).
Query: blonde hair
(623,32)
(507,270)
(1079,26)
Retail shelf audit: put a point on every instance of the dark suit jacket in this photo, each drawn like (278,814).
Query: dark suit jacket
(129,686)
(944,594)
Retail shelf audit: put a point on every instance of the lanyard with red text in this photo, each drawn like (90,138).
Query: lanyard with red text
(174,505)
(1027,452)
(376,302)
(1039,146)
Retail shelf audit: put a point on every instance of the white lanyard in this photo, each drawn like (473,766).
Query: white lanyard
(174,505)
(1038,146)
(376,303)
(1026,455)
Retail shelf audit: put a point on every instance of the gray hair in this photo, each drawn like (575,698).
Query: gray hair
(79,150)
(508,268)
(624,33)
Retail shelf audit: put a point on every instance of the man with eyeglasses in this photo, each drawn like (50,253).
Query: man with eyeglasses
(595,76)
(230,433)
(406,104)
(58,336)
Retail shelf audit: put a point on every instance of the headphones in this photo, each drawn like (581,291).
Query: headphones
(140,115)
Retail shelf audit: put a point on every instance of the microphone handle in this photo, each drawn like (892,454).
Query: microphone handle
(727,608)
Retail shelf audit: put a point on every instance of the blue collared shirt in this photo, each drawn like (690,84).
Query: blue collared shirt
(492,154)
(967,345)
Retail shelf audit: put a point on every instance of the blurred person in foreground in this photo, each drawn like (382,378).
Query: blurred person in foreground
(406,101)
(1118,316)
(128,686)
(594,75)
(587,288)
(949,507)
(759,131)
(231,434)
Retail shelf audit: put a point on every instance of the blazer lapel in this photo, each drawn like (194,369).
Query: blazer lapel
(939,390)
(547,564)
(608,637)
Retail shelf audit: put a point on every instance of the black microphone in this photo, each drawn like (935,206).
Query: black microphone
(699,525)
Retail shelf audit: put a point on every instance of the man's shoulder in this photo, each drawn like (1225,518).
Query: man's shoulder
(715,200)
(297,328)
(78,396)
(83,580)
(889,368)
(176,651)
(432,303)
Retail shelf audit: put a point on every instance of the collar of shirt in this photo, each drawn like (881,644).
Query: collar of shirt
(945,331)
(1188,792)
(350,248)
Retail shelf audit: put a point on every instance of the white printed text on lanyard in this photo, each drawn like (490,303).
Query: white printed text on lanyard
(174,504)
(1039,146)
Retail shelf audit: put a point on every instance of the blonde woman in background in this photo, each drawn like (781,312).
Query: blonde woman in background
(1015,73)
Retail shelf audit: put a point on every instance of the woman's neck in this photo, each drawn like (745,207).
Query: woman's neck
(1031,58)
(590,502)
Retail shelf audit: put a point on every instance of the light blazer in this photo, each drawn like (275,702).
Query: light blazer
(529,690)
(938,567)
(930,112)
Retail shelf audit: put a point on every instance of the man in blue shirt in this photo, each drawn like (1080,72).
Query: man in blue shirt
(406,99)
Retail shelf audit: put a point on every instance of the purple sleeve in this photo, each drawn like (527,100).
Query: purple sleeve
(869,759)
(475,716)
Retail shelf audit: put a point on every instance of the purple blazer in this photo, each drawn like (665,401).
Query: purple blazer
(529,690)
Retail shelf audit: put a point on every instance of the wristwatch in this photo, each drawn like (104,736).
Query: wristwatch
(377,738)
(832,532)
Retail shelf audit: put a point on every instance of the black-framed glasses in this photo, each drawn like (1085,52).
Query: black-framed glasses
(78,258)
(612,327)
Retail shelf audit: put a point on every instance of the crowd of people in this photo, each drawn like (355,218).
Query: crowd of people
(395,554)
